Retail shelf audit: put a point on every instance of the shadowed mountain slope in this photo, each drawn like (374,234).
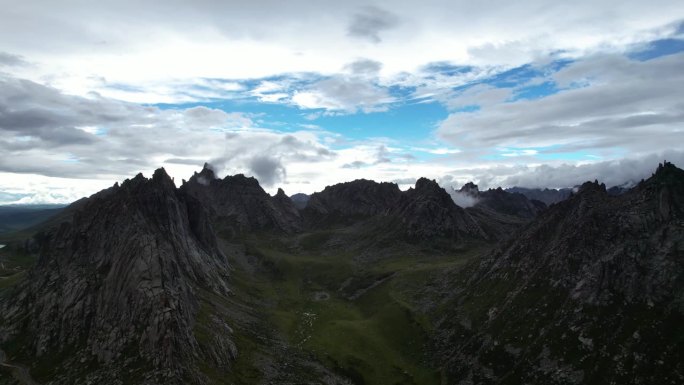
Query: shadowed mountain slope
(113,293)
(592,291)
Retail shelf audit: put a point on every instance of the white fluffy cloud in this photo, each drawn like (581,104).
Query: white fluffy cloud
(344,94)
(153,43)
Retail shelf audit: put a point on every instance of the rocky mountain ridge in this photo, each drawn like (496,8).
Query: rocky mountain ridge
(114,289)
(137,284)
(504,202)
(238,204)
(590,292)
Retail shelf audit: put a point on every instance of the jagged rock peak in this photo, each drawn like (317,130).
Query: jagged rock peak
(617,259)
(208,171)
(470,188)
(358,197)
(425,184)
(241,179)
(160,176)
(428,188)
(357,183)
(204,177)
(594,186)
(135,181)
(240,204)
(666,167)
(667,171)
(122,277)
(281,193)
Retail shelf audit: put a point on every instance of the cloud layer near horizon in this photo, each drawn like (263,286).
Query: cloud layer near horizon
(48,133)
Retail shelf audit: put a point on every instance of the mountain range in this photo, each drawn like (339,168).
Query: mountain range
(218,282)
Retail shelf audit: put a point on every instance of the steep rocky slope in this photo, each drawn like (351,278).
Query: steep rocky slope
(498,212)
(237,204)
(350,201)
(546,195)
(503,202)
(590,292)
(428,211)
(114,292)
(217,282)
(418,214)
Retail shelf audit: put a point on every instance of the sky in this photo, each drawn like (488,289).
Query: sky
(303,94)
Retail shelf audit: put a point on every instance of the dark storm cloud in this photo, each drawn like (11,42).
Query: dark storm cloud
(267,170)
(369,22)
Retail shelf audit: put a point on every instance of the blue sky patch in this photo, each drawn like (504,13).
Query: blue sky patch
(658,48)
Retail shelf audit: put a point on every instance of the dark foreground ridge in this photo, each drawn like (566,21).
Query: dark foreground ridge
(217,282)
(113,290)
(590,292)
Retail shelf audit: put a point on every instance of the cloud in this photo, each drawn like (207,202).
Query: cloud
(369,22)
(89,107)
(219,43)
(7,198)
(9,60)
(356,164)
(364,67)
(612,173)
(44,131)
(608,103)
(32,188)
(437,151)
(378,155)
(480,95)
(462,199)
(405,181)
(268,170)
(344,94)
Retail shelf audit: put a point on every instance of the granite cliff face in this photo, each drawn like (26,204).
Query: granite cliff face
(353,200)
(428,211)
(590,292)
(237,204)
(114,289)
(504,202)
(418,214)
(498,212)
